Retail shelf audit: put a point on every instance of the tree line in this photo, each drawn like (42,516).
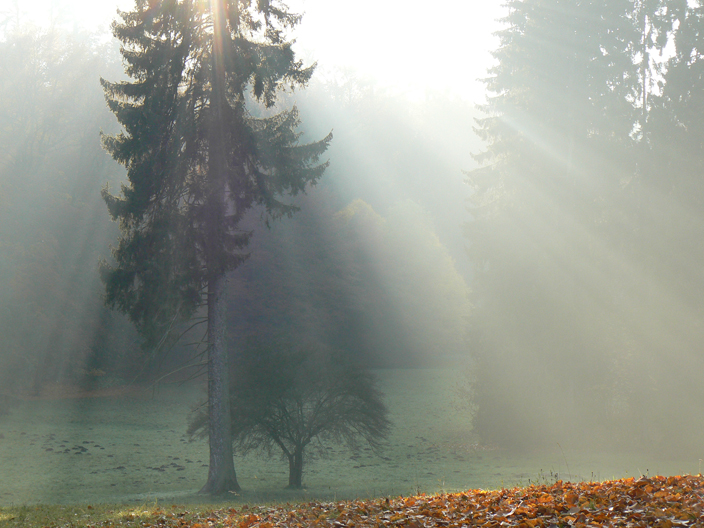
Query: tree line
(52,224)
(586,224)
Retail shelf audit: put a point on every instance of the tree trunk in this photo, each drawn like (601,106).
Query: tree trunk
(295,469)
(221,473)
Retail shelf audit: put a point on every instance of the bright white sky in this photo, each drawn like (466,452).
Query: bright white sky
(404,44)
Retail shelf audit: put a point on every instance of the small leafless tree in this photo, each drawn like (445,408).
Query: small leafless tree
(290,399)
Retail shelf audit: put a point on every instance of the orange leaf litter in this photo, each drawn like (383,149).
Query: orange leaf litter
(663,502)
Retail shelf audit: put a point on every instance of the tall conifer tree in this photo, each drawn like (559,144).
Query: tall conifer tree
(560,152)
(197,161)
(588,222)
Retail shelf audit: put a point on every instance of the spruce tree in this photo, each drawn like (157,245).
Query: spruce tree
(676,131)
(587,220)
(196,161)
(559,130)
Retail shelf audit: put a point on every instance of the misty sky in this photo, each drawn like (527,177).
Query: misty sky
(404,46)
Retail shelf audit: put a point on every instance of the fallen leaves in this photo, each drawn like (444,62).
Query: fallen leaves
(661,502)
(657,501)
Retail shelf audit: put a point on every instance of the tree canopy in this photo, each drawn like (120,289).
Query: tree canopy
(382,289)
(168,115)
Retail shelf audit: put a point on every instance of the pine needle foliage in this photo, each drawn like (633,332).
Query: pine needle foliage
(179,212)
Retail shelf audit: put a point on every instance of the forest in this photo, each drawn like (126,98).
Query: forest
(543,242)
(56,226)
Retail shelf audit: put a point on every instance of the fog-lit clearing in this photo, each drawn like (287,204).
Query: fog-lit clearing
(550,238)
(132,450)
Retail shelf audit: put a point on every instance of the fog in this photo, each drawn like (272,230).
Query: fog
(536,238)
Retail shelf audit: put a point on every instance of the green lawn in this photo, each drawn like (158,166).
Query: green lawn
(132,451)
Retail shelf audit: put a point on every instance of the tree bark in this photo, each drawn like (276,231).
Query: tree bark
(221,473)
(295,469)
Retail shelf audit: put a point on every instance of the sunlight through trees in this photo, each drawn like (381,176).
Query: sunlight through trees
(196,162)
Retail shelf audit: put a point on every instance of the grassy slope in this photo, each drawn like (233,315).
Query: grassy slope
(431,449)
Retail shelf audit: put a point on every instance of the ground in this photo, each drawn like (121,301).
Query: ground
(127,446)
(663,502)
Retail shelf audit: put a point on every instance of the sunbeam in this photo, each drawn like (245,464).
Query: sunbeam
(273,251)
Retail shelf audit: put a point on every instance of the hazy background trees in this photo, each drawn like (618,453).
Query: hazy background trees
(586,225)
(52,230)
(383,290)
(321,273)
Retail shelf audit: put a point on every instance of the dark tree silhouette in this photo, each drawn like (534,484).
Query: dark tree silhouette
(292,399)
(551,208)
(197,161)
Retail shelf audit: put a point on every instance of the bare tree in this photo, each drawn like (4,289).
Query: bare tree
(291,399)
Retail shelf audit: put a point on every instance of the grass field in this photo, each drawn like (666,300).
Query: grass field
(131,449)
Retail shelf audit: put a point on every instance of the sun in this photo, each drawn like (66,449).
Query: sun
(403,45)
(391,42)
(96,14)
